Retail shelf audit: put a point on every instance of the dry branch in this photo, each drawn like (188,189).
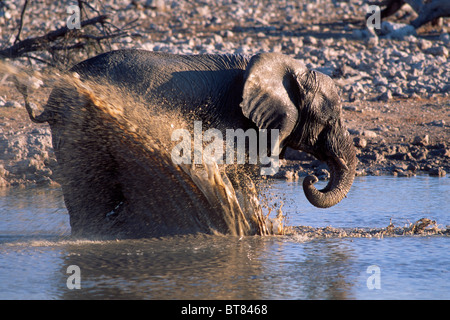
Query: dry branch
(21,22)
(20,48)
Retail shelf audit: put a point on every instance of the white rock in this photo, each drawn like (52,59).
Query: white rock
(397,30)
(369,134)
(12,104)
(360,142)
(203,11)
(157,5)
(404,32)
(310,40)
(380,81)
(228,34)
(424,44)
(388,27)
(218,38)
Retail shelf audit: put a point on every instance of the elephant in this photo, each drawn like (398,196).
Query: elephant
(115,185)
(426,10)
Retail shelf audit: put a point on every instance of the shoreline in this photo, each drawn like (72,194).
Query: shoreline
(385,146)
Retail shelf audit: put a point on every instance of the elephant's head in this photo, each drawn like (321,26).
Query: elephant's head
(281,93)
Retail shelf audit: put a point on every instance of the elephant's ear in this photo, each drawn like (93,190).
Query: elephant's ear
(272,92)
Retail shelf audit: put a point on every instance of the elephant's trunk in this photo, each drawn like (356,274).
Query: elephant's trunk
(341,179)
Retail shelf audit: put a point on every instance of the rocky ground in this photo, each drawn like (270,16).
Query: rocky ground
(394,85)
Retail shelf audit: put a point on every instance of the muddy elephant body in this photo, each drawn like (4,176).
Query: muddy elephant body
(115,185)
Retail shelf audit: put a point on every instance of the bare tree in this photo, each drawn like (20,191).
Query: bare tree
(93,36)
(63,45)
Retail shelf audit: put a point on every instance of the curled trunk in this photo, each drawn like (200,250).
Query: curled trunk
(341,179)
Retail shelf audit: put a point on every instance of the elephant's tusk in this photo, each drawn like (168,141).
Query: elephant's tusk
(341,163)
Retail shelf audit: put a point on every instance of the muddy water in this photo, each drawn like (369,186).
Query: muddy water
(36,251)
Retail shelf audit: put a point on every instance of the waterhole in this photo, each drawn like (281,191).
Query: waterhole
(36,251)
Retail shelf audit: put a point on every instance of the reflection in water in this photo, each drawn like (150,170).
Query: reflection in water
(175,268)
(35,252)
(205,267)
(317,270)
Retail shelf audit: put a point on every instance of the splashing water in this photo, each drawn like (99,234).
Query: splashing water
(146,130)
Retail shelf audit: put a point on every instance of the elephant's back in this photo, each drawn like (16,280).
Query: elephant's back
(206,87)
(142,70)
(133,68)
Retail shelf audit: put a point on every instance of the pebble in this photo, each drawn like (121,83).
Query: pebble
(360,142)
(310,40)
(424,44)
(351,108)
(437,172)
(228,34)
(402,173)
(437,123)
(12,104)
(445,37)
(421,140)
(380,81)
(385,96)
(158,5)
(437,51)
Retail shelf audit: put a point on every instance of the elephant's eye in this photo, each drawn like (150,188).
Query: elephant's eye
(330,108)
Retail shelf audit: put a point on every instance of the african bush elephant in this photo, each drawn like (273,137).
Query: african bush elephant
(427,10)
(112,185)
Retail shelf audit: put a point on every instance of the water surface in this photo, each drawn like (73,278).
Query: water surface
(36,251)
